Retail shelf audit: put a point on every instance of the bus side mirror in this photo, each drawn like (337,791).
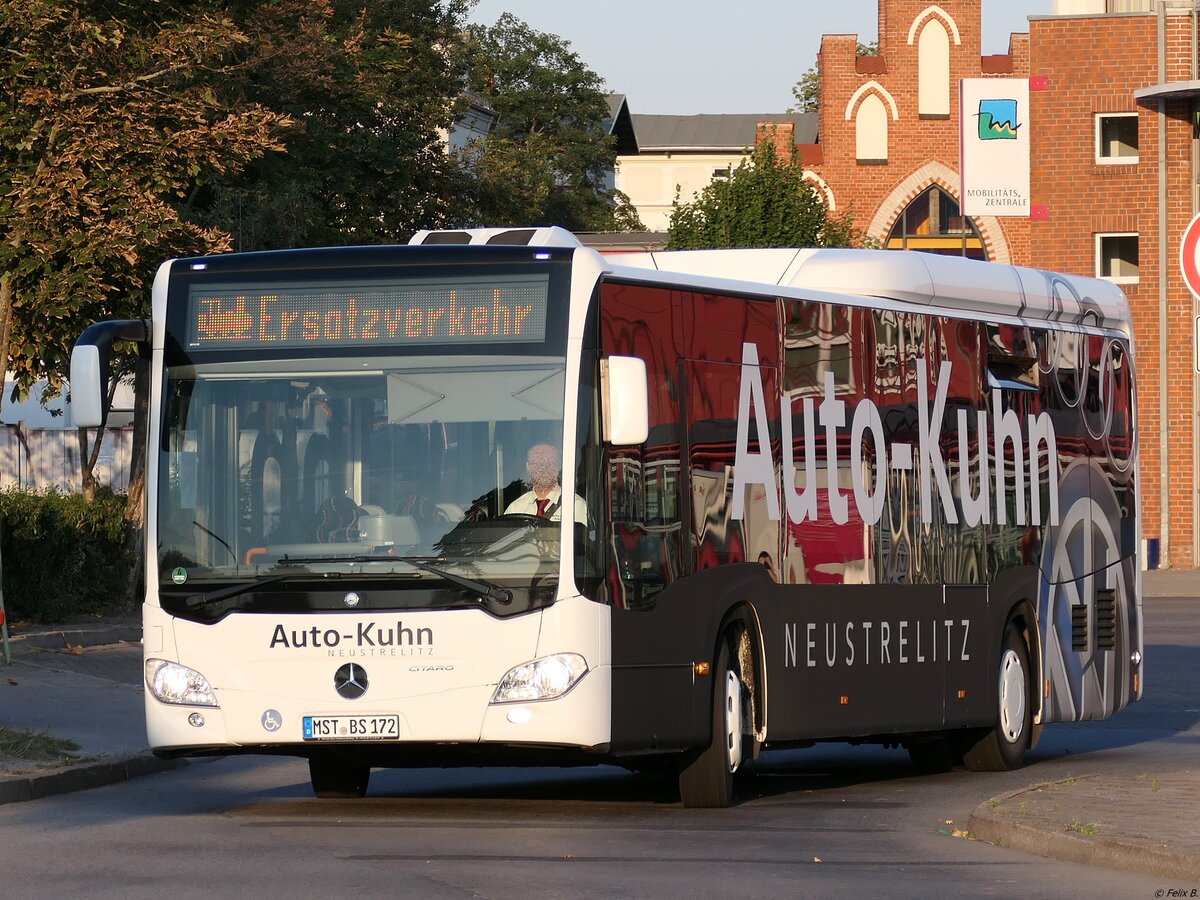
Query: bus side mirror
(90,367)
(626,400)
(87,390)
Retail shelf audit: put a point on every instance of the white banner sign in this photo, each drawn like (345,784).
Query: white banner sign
(994,146)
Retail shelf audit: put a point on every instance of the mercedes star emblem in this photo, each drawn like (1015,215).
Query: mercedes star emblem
(350,681)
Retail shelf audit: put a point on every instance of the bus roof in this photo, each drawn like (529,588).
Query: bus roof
(925,279)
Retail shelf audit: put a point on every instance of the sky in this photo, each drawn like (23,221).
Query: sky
(683,57)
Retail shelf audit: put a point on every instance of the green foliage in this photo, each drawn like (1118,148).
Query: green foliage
(63,556)
(370,89)
(807,91)
(146,129)
(110,120)
(548,160)
(765,202)
(39,748)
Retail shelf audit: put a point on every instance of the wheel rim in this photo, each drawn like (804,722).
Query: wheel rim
(1012,696)
(733,720)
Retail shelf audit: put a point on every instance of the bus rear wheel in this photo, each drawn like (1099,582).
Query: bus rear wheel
(706,780)
(337,778)
(1003,747)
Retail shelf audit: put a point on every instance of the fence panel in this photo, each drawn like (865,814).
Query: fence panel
(38,458)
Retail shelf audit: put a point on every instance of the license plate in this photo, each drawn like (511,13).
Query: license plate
(351,728)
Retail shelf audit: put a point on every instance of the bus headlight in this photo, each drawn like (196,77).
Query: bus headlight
(173,683)
(541,679)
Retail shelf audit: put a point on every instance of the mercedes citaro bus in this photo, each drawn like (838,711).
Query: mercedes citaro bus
(818,495)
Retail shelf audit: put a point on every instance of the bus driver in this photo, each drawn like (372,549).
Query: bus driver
(545,498)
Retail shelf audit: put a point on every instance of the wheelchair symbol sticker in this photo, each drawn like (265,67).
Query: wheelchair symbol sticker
(272,720)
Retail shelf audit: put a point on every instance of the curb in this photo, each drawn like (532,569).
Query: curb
(23,788)
(1112,853)
(68,636)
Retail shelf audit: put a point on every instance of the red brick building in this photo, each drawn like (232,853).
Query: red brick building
(1112,180)
(889,128)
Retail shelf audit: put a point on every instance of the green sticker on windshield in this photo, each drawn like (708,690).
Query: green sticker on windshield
(179,576)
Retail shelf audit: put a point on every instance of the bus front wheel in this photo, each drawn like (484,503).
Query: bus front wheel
(336,778)
(1003,747)
(706,779)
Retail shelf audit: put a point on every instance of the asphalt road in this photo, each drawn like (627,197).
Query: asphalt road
(831,821)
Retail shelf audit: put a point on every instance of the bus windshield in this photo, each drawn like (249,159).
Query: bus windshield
(400,475)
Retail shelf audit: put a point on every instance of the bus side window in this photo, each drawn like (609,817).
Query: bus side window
(647,543)
(628,498)
(636,549)
(1012,359)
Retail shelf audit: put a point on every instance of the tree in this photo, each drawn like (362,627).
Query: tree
(807,90)
(110,119)
(548,160)
(371,89)
(765,202)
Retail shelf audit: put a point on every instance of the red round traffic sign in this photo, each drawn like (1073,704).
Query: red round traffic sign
(1189,260)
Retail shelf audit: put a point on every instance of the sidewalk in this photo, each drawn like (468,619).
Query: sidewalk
(1147,823)
(81,683)
(1135,823)
(84,682)
(1171,583)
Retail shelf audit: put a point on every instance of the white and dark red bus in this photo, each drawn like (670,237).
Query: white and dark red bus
(819,495)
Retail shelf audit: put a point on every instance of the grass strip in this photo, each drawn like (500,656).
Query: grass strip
(35,746)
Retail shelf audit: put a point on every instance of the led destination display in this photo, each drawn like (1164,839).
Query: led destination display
(484,308)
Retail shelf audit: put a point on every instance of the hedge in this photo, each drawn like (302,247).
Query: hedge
(63,557)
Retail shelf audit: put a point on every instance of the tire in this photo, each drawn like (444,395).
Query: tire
(706,779)
(337,778)
(1002,748)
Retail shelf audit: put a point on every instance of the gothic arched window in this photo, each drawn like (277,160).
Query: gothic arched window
(933,70)
(934,223)
(871,130)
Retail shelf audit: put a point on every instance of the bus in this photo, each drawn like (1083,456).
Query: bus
(811,495)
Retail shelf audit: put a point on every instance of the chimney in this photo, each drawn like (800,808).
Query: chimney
(783,134)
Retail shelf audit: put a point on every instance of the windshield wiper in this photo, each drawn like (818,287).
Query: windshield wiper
(216,537)
(197,600)
(485,589)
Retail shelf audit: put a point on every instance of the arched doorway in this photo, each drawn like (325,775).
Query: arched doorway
(933,223)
